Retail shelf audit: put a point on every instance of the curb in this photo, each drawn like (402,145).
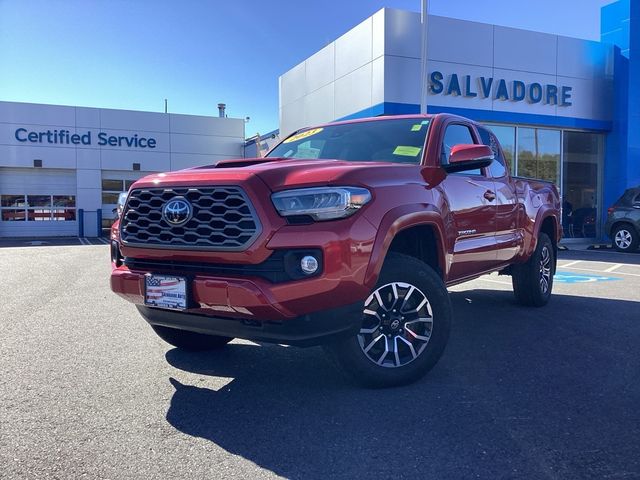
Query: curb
(600,246)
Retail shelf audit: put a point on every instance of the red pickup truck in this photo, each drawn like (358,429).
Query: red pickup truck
(345,235)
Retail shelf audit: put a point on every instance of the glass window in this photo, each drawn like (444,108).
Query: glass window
(12,201)
(64,201)
(507,138)
(399,140)
(127,185)
(39,200)
(112,185)
(110,198)
(497,168)
(13,215)
(539,154)
(583,157)
(457,135)
(38,208)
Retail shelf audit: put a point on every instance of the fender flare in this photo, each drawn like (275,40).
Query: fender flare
(399,219)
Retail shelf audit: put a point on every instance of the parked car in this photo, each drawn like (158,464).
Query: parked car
(623,221)
(345,235)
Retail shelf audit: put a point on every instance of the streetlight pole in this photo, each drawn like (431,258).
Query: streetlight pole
(424,17)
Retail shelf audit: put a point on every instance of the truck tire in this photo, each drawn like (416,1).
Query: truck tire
(405,326)
(533,281)
(191,341)
(625,238)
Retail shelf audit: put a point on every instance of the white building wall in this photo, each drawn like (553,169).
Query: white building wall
(181,141)
(379,61)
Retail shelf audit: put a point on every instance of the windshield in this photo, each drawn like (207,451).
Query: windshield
(395,140)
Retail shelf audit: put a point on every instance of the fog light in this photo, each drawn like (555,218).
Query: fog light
(309,264)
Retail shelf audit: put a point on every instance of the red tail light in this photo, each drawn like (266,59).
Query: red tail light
(610,210)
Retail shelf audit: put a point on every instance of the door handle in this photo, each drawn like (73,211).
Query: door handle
(489,195)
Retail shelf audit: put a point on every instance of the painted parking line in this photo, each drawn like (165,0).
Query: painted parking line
(575,262)
(613,267)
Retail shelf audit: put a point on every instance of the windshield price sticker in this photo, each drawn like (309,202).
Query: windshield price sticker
(407,151)
(417,127)
(301,135)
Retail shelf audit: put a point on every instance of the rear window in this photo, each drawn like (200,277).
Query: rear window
(629,197)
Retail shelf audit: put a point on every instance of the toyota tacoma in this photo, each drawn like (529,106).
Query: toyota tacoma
(345,235)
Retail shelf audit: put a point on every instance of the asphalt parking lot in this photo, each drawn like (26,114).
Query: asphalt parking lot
(88,391)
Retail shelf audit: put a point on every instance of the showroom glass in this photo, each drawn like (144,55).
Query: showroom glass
(539,154)
(37,208)
(497,167)
(583,156)
(397,140)
(507,138)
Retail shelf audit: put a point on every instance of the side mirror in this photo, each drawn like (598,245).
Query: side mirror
(468,157)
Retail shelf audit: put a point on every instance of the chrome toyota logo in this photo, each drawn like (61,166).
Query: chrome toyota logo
(177,211)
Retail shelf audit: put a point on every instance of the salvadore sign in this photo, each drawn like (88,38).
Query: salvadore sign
(88,138)
(499,89)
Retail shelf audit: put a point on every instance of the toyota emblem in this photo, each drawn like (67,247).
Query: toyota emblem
(177,211)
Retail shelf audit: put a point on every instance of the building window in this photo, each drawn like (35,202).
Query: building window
(507,138)
(37,208)
(583,157)
(539,154)
(112,188)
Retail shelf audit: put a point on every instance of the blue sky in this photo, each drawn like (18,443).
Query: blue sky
(132,54)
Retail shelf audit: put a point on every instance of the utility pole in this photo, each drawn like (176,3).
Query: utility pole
(424,17)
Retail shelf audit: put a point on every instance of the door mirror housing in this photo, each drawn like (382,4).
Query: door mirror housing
(468,157)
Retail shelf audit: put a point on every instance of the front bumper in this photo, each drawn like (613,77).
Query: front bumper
(248,306)
(304,331)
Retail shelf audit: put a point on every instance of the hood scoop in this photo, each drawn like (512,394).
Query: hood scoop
(246,162)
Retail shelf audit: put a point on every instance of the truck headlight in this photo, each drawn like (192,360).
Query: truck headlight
(321,203)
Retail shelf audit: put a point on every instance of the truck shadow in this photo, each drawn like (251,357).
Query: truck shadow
(518,393)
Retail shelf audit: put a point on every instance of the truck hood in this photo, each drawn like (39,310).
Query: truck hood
(281,173)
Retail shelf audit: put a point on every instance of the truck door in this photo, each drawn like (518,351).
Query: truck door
(509,235)
(471,198)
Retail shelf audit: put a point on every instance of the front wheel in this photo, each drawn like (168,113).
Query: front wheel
(405,326)
(533,281)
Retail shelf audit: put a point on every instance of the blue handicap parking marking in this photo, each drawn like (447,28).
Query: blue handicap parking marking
(570,277)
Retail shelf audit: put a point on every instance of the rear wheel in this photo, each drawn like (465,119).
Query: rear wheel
(625,238)
(192,341)
(405,326)
(533,281)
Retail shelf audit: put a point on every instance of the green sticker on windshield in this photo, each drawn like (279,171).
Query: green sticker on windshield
(416,128)
(407,151)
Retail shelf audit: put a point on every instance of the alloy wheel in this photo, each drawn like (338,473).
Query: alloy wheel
(623,239)
(545,269)
(397,325)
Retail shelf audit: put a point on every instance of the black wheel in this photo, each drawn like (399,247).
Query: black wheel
(625,238)
(533,281)
(192,341)
(405,326)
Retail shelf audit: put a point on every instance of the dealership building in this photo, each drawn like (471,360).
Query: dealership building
(62,168)
(564,109)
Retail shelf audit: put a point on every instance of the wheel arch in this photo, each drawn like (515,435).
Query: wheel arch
(620,222)
(412,230)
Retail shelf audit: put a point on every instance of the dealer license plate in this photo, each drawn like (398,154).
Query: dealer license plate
(166,291)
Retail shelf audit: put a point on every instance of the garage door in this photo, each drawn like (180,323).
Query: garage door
(38,202)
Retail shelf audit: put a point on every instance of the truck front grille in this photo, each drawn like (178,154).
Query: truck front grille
(220,218)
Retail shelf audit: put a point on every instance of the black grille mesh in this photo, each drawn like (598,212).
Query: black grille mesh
(223,219)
